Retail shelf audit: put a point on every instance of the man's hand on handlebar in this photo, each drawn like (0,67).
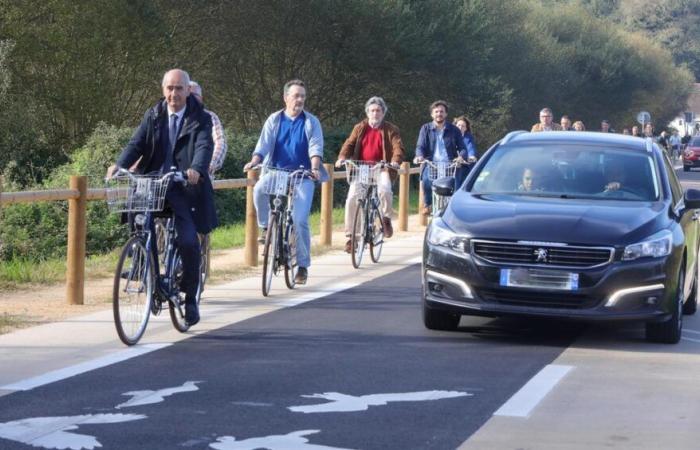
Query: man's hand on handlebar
(339,163)
(418,160)
(111,171)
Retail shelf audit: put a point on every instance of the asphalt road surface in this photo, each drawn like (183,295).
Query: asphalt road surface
(379,380)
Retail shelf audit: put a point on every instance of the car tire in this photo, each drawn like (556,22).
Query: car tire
(669,331)
(686,168)
(435,319)
(691,304)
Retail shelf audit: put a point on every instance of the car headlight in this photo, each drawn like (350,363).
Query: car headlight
(440,234)
(657,245)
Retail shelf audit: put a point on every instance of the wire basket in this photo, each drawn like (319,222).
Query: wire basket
(440,169)
(136,193)
(280,182)
(364,173)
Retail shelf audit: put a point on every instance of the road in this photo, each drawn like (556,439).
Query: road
(356,369)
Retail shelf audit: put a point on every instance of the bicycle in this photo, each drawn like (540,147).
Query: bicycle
(367,225)
(139,290)
(280,240)
(437,170)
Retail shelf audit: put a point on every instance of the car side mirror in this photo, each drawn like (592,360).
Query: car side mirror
(691,198)
(445,186)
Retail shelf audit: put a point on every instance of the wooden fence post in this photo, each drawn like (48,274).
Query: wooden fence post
(251,222)
(327,208)
(404,179)
(77,230)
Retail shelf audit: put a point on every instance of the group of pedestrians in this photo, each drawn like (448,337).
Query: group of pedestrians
(671,142)
(178,132)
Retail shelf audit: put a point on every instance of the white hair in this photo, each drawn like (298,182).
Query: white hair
(184,74)
(195,88)
(376,101)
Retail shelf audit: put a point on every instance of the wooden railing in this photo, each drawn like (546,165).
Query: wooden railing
(78,195)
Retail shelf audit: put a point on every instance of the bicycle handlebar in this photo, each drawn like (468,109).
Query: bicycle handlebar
(177,176)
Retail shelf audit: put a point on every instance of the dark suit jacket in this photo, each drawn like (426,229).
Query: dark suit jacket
(193,149)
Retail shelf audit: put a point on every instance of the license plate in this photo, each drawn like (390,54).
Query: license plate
(536,278)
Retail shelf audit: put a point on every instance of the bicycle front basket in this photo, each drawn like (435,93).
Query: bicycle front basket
(363,172)
(279,181)
(441,169)
(137,193)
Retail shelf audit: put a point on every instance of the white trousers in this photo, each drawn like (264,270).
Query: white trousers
(385,200)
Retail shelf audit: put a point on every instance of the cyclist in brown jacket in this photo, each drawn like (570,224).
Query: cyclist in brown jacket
(373,139)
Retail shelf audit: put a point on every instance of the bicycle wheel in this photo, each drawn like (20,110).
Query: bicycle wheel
(291,266)
(358,236)
(270,254)
(133,291)
(205,261)
(177,303)
(376,230)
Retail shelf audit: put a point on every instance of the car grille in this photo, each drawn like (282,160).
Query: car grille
(539,299)
(515,253)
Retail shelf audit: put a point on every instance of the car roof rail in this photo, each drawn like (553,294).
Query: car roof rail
(509,137)
(650,144)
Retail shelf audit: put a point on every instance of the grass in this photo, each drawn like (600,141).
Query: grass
(17,273)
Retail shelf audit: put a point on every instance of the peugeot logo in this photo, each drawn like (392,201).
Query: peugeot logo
(541,254)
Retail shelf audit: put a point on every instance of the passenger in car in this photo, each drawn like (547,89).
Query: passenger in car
(527,181)
(615,175)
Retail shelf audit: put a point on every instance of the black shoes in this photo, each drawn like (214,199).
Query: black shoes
(302,275)
(191,313)
(261,236)
(388,229)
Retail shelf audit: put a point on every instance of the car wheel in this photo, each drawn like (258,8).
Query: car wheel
(435,319)
(686,168)
(669,331)
(691,305)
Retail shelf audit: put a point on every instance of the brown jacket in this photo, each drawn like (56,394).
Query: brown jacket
(538,127)
(392,147)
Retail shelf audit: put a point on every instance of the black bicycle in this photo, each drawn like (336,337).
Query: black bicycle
(162,224)
(139,290)
(368,226)
(280,248)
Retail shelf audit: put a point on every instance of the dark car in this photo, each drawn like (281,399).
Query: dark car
(691,155)
(565,225)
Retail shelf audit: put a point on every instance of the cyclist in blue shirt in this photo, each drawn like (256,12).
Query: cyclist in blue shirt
(292,138)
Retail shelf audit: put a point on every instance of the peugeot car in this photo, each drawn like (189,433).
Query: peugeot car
(565,225)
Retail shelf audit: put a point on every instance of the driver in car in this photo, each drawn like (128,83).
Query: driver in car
(615,176)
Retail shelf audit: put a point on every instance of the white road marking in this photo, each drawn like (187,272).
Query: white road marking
(527,398)
(290,441)
(51,432)
(67,372)
(690,331)
(690,339)
(147,397)
(344,403)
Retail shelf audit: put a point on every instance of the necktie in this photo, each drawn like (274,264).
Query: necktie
(172,137)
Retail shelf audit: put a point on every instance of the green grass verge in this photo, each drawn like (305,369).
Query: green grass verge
(17,273)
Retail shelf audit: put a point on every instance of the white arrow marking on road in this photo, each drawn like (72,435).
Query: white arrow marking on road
(346,403)
(148,397)
(51,432)
(290,441)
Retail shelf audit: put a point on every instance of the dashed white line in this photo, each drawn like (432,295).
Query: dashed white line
(529,396)
(690,339)
(691,331)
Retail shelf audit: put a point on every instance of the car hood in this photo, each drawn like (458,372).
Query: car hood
(592,222)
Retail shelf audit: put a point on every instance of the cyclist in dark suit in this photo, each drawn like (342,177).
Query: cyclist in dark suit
(176,132)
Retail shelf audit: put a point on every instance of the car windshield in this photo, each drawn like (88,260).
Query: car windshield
(695,142)
(569,171)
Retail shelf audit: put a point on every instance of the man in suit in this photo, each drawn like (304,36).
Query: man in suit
(176,132)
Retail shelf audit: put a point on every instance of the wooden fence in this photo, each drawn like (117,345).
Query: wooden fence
(78,195)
